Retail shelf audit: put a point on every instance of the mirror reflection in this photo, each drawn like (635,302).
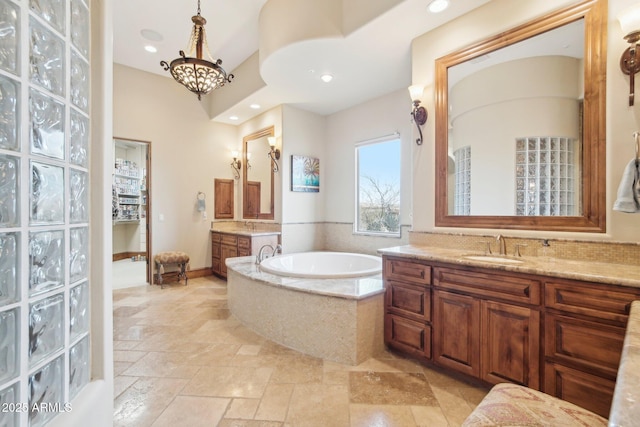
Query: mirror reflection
(520,126)
(514,139)
(257,176)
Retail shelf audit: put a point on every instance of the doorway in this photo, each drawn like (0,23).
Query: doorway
(131,212)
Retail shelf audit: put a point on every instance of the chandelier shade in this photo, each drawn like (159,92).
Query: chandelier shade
(198,75)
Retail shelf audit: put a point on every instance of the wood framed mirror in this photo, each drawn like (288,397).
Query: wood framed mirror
(257,176)
(525,147)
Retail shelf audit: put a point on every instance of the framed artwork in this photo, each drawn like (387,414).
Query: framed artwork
(305,174)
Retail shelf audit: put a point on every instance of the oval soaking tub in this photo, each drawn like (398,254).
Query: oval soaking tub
(324,304)
(323,265)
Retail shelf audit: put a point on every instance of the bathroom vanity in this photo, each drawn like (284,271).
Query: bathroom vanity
(236,243)
(552,325)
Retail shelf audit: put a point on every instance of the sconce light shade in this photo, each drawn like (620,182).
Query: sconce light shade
(236,164)
(418,113)
(630,61)
(274,153)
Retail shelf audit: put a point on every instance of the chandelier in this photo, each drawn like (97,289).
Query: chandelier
(196,74)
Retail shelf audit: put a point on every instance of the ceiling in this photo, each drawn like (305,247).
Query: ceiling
(369,62)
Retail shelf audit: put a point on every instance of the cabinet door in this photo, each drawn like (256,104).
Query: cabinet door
(588,391)
(215,253)
(408,335)
(226,252)
(456,340)
(510,344)
(223,198)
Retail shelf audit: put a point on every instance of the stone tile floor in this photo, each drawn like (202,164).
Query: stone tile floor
(181,359)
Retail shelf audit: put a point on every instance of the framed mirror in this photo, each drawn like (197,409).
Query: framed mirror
(520,126)
(257,174)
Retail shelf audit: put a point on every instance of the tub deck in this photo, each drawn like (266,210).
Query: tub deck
(335,319)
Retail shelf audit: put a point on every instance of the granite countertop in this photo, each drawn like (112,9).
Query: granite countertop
(245,232)
(348,288)
(615,274)
(625,408)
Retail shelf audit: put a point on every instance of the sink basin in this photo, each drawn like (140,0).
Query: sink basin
(496,259)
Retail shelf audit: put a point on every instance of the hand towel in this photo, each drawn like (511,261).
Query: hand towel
(629,189)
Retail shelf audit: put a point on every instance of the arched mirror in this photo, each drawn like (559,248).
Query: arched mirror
(520,126)
(257,184)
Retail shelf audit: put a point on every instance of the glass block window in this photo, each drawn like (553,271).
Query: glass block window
(545,181)
(45,338)
(462,194)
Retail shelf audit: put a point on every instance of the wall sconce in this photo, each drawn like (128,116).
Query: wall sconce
(630,60)
(419,113)
(274,153)
(236,164)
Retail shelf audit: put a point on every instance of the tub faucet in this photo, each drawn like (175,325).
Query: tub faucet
(501,244)
(277,250)
(261,255)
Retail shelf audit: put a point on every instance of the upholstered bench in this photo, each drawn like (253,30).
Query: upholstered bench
(515,405)
(174,257)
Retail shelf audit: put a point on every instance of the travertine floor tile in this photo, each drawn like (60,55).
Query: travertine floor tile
(193,411)
(228,376)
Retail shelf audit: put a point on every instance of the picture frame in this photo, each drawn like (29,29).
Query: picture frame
(305,174)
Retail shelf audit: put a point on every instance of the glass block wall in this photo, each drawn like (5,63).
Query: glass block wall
(44,208)
(545,182)
(462,195)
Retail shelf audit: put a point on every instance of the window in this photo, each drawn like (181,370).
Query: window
(378,187)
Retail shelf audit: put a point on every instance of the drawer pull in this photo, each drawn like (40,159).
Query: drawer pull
(526,291)
(422,274)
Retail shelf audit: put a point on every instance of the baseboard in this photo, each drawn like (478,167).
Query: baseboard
(172,276)
(125,255)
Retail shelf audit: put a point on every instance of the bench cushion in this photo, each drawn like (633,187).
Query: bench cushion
(515,405)
(171,257)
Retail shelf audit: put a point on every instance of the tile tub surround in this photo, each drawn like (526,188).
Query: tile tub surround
(334,319)
(590,271)
(625,410)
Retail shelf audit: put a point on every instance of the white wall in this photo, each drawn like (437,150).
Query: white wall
(187,152)
(377,118)
(498,16)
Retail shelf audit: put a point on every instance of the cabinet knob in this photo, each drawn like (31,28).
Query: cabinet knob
(526,291)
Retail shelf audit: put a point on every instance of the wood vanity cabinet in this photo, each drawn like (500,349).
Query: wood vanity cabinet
(496,319)
(584,334)
(230,245)
(561,336)
(408,306)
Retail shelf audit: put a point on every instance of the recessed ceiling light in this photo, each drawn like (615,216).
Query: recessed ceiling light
(255,106)
(438,5)
(151,35)
(326,78)
(233,117)
(151,49)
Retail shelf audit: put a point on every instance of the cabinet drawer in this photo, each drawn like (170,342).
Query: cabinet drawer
(409,301)
(407,271)
(589,345)
(215,251)
(490,284)
(601,301)
(215,237)
(408,335)
(580,388)
(228,239)
(243,252)
(244,242)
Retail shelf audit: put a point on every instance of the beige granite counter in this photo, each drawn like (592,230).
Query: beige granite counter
(245,232)
(625,409)
(614,274)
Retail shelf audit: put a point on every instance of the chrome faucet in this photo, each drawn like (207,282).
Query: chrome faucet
(277,250)
(261,255)
(501,244)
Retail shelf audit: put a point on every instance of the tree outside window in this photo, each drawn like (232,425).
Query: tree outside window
(378,187)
